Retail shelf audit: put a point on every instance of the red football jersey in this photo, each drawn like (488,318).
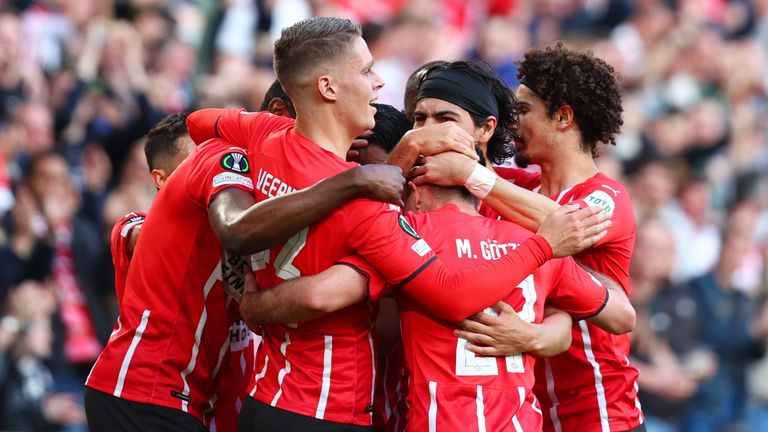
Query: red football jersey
(325,368)
(175,318)
(452,389)
(118,242)
(592,386)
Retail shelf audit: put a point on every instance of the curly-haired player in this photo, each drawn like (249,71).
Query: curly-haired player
(559,78)
(569,104)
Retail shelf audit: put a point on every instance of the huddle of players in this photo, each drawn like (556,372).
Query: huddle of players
(282,190)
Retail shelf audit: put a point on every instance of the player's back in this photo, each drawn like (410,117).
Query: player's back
(450,388)
(174,319)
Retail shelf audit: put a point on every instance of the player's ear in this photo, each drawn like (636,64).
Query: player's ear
(486,130)
(278,107)
(326,86)
(564,116)
(412,197)
(159,176)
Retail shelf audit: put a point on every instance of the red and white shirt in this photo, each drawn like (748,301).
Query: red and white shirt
(325,368)
(450,388)
(172,336)
(592,386)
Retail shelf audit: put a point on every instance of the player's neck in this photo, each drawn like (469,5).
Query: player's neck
(563,171)
(437,197)
(325,130)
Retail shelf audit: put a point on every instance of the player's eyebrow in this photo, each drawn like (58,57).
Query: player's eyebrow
(445,113)
(368,65)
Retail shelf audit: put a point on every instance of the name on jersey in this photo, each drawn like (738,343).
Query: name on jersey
(271,186)
(488,249)
(233,270)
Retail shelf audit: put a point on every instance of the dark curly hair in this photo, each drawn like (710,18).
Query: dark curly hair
(500,146)
(587,84)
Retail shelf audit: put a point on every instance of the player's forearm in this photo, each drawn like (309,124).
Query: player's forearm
(519,205)
(618,315)
(553,334)
(283,304)
(305,298)
(453,296)
(247,228)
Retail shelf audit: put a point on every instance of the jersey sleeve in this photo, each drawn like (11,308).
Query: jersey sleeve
(377,285)
(202,124)
(574,290)
(388,242)
(219,166)
(455,295)
(382,236)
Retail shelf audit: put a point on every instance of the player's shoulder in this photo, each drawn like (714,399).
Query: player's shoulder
(216,150)
(509,229)
(606,192)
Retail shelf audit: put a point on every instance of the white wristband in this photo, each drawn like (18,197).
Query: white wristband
(480,182)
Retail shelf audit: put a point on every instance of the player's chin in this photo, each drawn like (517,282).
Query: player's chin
(371,121)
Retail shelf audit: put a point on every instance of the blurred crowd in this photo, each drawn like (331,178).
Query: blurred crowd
(81,82)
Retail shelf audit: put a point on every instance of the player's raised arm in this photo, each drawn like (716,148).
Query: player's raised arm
(201,124)
(245,227)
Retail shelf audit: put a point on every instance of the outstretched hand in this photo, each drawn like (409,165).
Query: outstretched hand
(570,230)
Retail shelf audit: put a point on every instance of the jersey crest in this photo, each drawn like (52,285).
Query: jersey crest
(236,162)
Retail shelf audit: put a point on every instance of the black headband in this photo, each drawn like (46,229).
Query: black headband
(459,89)
(530,83)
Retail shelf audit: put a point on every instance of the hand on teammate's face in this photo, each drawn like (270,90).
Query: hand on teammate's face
(443,137)
(444,169)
